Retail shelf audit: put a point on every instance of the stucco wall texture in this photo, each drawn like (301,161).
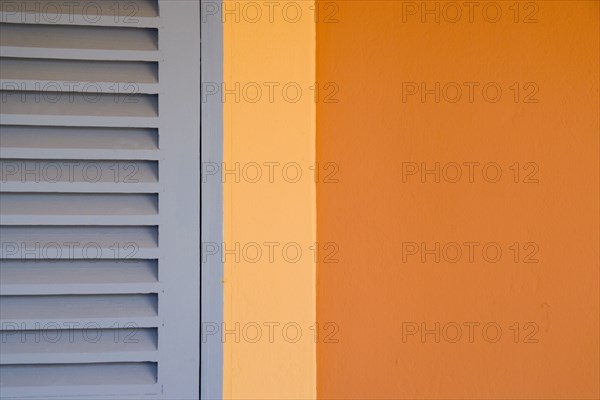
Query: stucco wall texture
(448,208)
(269,203)
(428,115)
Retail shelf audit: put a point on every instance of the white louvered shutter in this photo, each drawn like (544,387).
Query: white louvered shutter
(99,202)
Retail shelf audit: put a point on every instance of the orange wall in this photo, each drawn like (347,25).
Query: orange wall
(371,133)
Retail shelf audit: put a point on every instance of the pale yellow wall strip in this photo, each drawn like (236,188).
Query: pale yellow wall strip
(269,128)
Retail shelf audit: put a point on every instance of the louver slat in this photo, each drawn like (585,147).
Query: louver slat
(141,13)
(78,176)
(68,311)
(73,42)
(62,380)
(78,209)
(63,142)
(55,277)
(78,242)
(79,346)
(29,74)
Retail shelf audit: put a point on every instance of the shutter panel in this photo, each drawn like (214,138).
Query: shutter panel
(99,199)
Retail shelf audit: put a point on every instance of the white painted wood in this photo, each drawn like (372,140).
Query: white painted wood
(68,277)
(137,8)
(87,251)
(56,174)
(88,288)
(77,154)
(212,206)
(65,391)
(81,187)
(179,208)
(138,13)
(78,37)
(79,54)
(80,138)
(79,242)
(80,121)
(78,346)
(64,205)
(38,323)
(63,376)
(78,209)
(128,172)
(89,87)
(78,220)
(79,104)
(61,19)
(143,237)
(78,358)
(78,143)
(79,308)
(78,71)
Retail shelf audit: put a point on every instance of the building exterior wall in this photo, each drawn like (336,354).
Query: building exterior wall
(381,131)
(271,130)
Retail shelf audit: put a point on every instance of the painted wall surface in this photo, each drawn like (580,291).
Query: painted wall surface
(269,212)
(417,248)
